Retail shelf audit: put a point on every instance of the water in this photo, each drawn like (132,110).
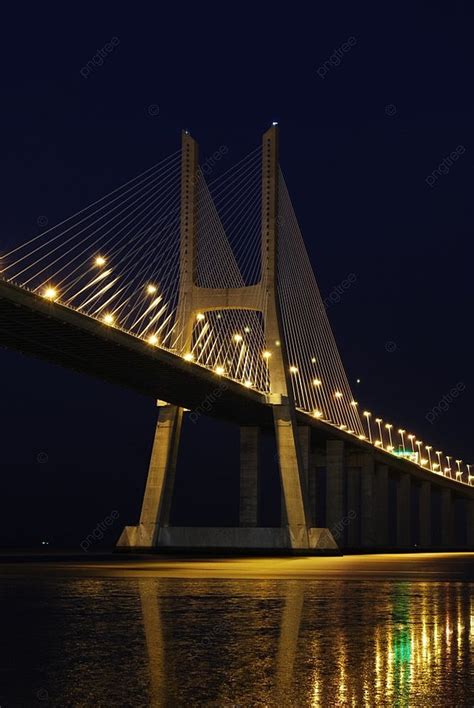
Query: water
(375,631)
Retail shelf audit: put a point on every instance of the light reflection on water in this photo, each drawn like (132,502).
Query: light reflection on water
(119,641)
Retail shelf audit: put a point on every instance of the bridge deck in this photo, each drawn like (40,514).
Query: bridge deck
(58,334)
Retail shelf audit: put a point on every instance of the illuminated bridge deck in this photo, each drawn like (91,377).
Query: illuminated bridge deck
(32,325)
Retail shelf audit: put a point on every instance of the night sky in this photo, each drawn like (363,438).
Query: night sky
(364,136)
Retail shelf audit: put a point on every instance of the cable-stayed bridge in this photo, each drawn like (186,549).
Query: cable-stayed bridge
(201,294)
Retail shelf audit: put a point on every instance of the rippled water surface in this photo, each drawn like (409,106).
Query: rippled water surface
(263,632)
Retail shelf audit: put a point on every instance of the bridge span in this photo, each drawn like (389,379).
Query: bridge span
(359,482)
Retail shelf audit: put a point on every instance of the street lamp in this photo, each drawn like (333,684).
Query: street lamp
(470,477)
(389,427)
(367,415)
(379,424)
(428,449)
(411,438)
(419,443)
(448,469)
(402,433)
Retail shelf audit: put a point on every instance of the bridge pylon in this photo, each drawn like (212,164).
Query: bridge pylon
(154,528)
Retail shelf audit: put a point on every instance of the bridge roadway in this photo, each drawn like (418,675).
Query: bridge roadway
(53,332)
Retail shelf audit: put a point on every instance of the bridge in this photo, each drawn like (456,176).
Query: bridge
(201,295)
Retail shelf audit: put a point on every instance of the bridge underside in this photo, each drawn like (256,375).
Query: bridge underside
(32,325)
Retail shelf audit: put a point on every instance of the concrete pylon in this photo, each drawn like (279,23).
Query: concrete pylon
(194,299)
(156,505)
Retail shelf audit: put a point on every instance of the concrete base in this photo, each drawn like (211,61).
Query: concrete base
(136,538)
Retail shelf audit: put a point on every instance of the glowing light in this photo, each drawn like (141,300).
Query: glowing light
(277,343)
(378,420)
(266,354)
(50,293)
(338,394)
(274,123)
(247,329)
(390,448)
(361,437)
(189,356)
(367,414)
(317,382)
(354,403)
(200,316)
(424,461)
(151,289)
(100,261)
(109,319)
(317,414)
(293,369)
(343,426)
(219,370)
(378,443)
(247,384)
(238,337)
(358,381)
(313,360)
(153,339)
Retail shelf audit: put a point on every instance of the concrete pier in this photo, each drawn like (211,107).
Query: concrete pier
(381,506)
(367,497)
(249,475)
(446,518)
(334,483)
(403,510)
(156,506)
(470,523)
(353,505)
(425,515)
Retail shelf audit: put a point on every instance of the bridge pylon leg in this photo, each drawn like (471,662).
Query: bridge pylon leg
(290,465)
(156,506)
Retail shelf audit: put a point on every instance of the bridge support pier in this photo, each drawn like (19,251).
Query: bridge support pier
(291,475)
(367,491)
(304,436)
(446,518)
(470,523)
(353,506)
(381,506)
(334,484)
(425,515)
(156,506)
(403,510)
(249,475)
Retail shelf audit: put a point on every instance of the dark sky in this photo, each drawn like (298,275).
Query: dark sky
(358,142)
